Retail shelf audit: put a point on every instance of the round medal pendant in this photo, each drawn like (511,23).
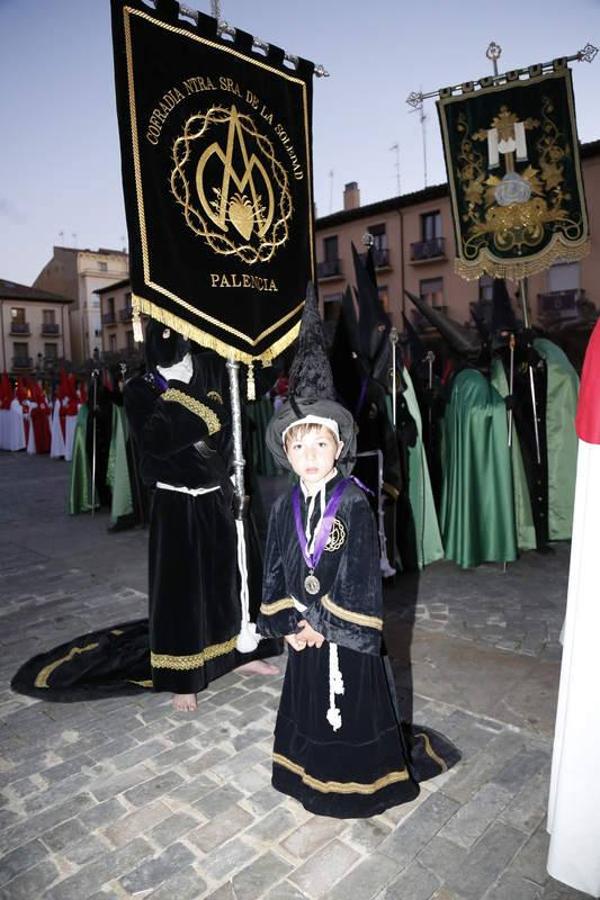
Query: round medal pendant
(312,584)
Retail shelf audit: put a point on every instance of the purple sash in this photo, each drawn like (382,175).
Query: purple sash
(312,559)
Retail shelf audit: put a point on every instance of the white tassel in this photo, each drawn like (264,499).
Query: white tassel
(247,639)
(336,686)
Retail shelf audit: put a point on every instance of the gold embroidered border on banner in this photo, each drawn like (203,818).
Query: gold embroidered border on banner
(340,787)
(191,331)
(195,660)
(431,752)
(271,609)
(211,420)
(41,679)
(349,616)
(487,264)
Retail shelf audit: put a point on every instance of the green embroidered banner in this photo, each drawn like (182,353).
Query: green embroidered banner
(217,177)
(514,175)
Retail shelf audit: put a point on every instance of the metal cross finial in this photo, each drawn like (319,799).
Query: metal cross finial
(588,53)
(415,99)
(494,52)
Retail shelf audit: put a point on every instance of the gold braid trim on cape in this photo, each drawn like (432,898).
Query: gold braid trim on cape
(172,395)
(195,660)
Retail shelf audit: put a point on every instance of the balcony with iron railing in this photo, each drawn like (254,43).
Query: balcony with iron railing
(109,318)
(125,315)
(381,257)
(428,251)
(329,268)
(20,328)
(50,328)
(22,363)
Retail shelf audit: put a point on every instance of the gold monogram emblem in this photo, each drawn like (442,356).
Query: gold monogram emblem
(233,192)
(337,536)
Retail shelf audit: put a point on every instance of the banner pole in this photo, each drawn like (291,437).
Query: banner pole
(247,640)
(95,374)
(525,309)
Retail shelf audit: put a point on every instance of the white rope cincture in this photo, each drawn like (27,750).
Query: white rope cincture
(336,686)
(247,639)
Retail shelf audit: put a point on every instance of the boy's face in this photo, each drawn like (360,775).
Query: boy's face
(313,455)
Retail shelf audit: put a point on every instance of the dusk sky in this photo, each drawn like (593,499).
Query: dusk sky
(59,154)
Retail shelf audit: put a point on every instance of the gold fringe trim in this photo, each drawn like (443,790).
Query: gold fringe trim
(41,679)
(348,616)
(513,269)
(340,787)
(195,660)
(192,332)
(203,412)
(431,752)
(271,609)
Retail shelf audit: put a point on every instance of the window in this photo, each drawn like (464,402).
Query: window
(564,277)
(128,299)
(432,290)
(332,306)
(330,248)
(486,288)
(103,266)
(49,317)
(51,351)
(431,226)
(113,343)
(17,314)
(130,343)
(111,305)
(21,351)
(379,236)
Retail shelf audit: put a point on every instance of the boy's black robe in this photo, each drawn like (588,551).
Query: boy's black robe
(366,766)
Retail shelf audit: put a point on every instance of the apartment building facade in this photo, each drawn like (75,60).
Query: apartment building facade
(413,242)
(78,274)
(34,329)
(117,318)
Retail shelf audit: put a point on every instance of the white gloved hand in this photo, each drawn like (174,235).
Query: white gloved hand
(181,371)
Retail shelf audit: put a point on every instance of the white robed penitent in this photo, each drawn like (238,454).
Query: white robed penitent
(574,804)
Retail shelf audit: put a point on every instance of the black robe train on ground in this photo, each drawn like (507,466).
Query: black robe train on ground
(368,764)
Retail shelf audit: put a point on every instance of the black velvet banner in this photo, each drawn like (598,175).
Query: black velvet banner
(217,176)
(514,174)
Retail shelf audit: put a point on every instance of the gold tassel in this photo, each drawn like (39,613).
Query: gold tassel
(251,387)
(138,331)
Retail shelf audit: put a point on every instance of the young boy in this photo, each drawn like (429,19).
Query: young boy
(322,591)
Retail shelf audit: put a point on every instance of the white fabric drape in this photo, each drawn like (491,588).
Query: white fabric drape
(574,804)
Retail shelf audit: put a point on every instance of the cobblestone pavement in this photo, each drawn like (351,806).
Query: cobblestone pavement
(124,797)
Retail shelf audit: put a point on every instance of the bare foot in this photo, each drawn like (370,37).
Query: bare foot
(184,702)
(258,667)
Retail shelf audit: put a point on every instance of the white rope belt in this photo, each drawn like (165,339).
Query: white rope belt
(336,679)
(194,492)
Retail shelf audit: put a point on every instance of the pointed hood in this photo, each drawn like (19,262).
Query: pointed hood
(310,372)
(311,390)
(503,315)
(373,322)
(414,347)
(464,341)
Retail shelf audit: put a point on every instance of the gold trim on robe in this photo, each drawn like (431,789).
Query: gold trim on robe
(340,787)
(349,616)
